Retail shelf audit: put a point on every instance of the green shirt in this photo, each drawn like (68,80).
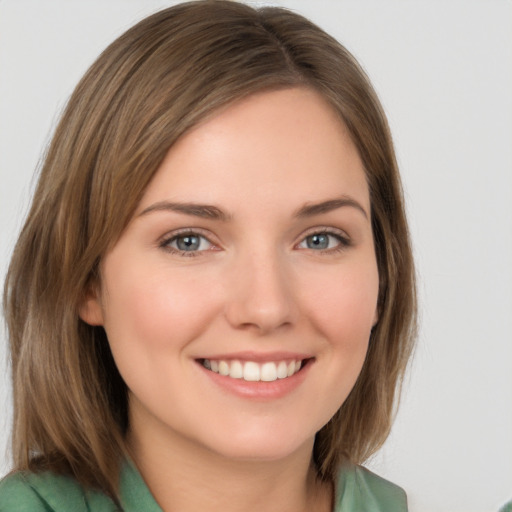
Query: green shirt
(507,507)
(357,490)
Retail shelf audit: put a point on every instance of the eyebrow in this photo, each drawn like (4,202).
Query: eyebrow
(309,210)
(205,211)
(208,211)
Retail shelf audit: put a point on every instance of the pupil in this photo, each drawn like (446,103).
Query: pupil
(188,243)
(318,242)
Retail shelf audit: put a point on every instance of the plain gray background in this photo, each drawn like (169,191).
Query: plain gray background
(443,70)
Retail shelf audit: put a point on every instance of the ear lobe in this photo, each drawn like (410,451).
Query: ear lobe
(89,309)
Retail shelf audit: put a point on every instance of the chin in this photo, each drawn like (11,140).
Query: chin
(262,446)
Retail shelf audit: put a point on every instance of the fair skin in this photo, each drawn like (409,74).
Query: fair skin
(251,253)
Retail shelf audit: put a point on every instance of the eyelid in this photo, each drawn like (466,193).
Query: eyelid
(340,234)
(328,230)
(164,241)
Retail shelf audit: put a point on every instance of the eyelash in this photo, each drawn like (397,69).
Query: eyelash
(343,241)
(164,244)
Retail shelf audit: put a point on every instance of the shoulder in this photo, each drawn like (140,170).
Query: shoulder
(382,489)
(44,492)
(360,489)
(17,494)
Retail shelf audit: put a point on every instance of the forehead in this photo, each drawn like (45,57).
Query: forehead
(287,145)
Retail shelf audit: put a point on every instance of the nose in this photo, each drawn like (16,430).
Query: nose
(261,296)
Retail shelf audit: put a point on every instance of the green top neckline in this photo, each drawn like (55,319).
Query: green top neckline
(357,489)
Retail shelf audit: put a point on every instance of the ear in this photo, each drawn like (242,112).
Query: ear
(90,309)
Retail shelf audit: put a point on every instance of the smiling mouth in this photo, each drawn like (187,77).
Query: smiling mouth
(251,371)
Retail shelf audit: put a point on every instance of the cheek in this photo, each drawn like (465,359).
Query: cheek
(154,307)
(340,304)
(343,304)
(151,318)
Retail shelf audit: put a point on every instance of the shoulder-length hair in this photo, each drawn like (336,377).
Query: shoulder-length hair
(150,86)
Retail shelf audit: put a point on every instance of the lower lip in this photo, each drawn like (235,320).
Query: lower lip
(259,390)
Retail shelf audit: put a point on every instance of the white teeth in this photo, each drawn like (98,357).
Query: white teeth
(251,371)
(254,372)
(282,370)
(223,368)
(269,372)
(236,371)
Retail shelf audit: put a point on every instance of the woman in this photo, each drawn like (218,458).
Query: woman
(212,303)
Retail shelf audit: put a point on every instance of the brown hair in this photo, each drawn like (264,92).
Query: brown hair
(147,88)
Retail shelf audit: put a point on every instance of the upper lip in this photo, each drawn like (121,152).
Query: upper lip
(258,357)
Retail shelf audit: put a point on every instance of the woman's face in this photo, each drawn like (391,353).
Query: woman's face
(250,255)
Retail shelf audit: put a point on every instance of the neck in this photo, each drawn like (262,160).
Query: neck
(184,476)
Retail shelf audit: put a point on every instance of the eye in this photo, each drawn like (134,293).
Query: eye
(187,243)
(324,241)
